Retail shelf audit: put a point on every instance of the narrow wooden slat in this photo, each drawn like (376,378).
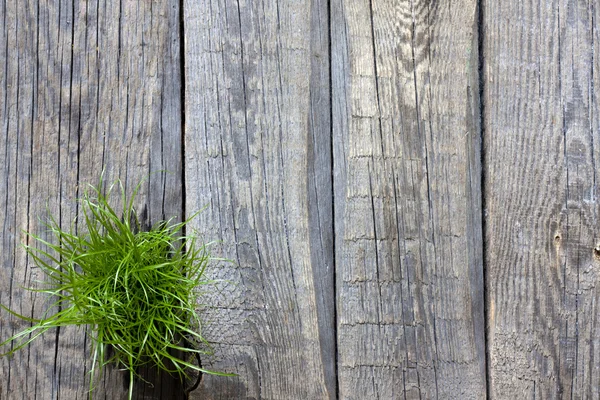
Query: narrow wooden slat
(86,86)
(541,151)
(257,155)
(407,200)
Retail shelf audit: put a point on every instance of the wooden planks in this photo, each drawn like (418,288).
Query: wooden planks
(541,152)
(347,195)
(84,86)
(407,200)
(257,154)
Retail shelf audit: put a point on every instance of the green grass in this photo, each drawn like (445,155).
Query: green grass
(136,291)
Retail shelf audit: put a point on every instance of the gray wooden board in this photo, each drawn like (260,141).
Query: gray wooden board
(85,86)
(541,152)
(407,199)
(93,85)
(258,156)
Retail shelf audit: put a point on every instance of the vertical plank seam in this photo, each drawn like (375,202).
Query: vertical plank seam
(182,84)
(484,258)
(333,235)
(182,105)
(77,174)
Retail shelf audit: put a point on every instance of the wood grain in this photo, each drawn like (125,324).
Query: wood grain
(258,156)
(347,193)
(541,152)
(85,86)
(407,200)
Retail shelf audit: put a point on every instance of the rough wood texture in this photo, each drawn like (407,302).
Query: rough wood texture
(351,192)
(541,152)
(407,200)
(257,154)
(84,86)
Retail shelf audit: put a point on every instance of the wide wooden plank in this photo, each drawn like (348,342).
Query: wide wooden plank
(85,86)
(258,156)
(541,151)
(407,199)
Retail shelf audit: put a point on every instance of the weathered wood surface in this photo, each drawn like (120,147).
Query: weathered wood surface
(258,155)
(407,200)
(336,146)
(84,86)
(541,154)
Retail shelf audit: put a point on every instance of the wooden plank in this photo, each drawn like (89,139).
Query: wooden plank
(257,154)
(407,199)
(541,151)
(86,86)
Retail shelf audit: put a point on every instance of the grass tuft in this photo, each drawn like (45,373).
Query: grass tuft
(135,290)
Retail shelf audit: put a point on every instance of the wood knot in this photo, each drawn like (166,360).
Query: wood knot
(557,238)
(597,252)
